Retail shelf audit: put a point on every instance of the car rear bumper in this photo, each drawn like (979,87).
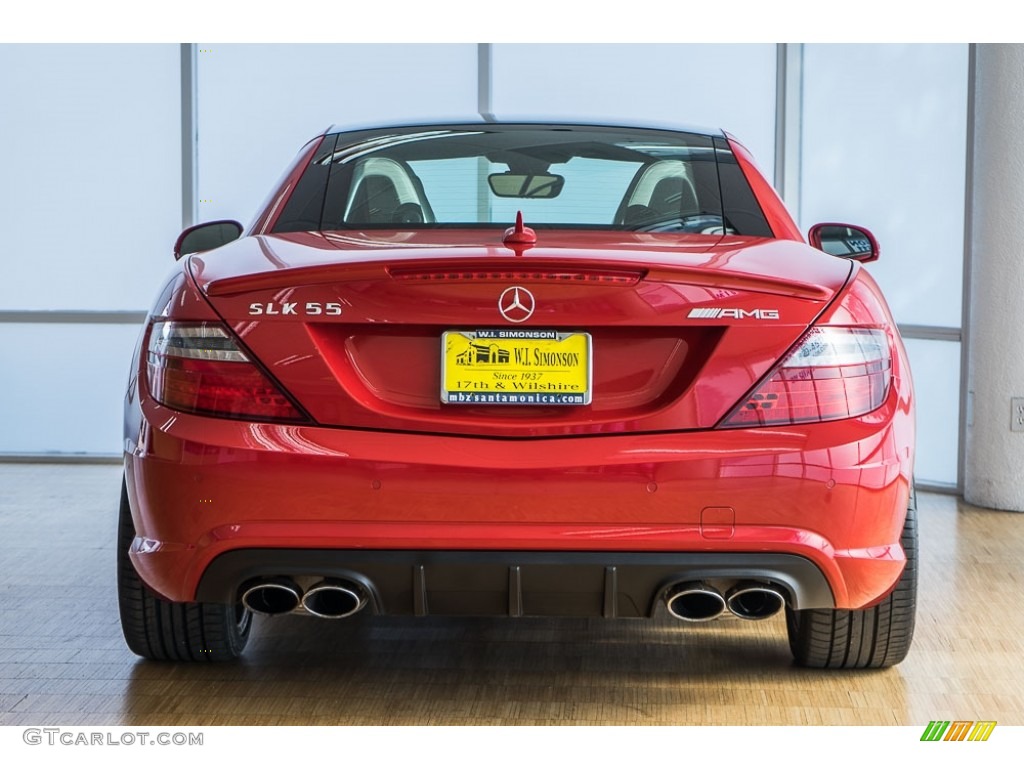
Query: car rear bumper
(484,583)
(211,499)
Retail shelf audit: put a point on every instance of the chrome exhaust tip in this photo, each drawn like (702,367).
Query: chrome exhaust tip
(330,599)
(272,597)
(754,601)
(695,601)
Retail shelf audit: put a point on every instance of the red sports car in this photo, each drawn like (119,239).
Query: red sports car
(520,370)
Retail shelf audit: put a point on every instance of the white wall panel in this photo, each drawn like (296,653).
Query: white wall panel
(63,387)
(716,86)
(935,366)
(884,145)
(258,104)
(90,155)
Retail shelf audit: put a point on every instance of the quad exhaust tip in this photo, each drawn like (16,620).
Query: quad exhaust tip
(334,599)
(754,602)
(695,601)
(272,597)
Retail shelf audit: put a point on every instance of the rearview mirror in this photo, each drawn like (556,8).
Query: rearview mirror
(535,185)
(206,237)
(844,240)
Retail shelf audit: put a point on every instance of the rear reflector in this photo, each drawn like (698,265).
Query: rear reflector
(579,277)
(198,367)
(834,373)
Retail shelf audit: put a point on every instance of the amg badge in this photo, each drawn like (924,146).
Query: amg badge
(715,313)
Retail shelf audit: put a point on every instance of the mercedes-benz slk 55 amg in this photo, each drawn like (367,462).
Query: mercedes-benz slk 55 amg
(520,370)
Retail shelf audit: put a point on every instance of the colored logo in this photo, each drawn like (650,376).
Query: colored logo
(516,304)
(482,353)
(958,730)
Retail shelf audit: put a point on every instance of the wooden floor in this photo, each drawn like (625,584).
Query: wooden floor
(63,661)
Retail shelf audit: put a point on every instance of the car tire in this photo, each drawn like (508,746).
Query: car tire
(158,629)
(871,638)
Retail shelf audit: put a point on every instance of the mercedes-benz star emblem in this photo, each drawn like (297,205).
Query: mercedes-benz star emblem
(516,304)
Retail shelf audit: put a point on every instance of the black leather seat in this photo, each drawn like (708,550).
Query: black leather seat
(673,197)
(375,201)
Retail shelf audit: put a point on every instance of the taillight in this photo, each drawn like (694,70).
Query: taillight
(834,373)
(198,367)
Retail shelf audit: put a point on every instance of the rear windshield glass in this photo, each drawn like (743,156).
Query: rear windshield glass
(559,177)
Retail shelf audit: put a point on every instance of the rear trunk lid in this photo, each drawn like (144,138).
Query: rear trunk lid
(441,332)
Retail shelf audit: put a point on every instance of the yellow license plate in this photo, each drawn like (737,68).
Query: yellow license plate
(515,367)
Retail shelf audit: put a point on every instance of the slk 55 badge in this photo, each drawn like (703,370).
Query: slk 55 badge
(310,308)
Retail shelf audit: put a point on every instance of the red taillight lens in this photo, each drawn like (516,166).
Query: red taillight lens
(198,367)
(834,373)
